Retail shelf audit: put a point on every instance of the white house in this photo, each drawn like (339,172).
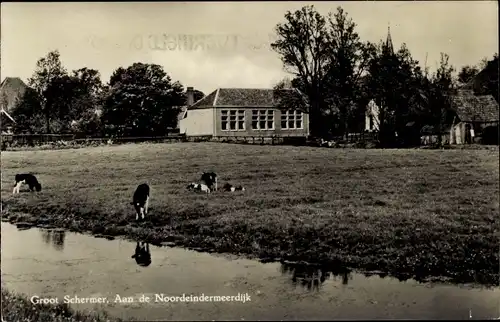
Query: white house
(241,112)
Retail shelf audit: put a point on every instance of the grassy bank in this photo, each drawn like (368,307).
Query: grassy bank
(415,212)
(16,307)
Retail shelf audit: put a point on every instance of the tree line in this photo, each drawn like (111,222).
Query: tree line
(336,71)
(339,74)
(140,100)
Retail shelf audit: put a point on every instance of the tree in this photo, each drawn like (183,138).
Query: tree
(87,101)
(487,83)
(142,100)
(395,81)
(303,45)
(349,60)
(467,73)
(198,95)
(47,69)
(28,113)
(326,59)
(439,95)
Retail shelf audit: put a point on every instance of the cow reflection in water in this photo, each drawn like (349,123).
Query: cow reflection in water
(142,255)
(54,238)
(312,277)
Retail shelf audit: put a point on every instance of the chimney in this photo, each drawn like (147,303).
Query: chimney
(190,96)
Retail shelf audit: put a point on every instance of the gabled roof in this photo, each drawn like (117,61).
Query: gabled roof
(238,97)
(10,89)
(472,108)
(182,113)
(3,112)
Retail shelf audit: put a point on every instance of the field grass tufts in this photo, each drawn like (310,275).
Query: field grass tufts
(415,212)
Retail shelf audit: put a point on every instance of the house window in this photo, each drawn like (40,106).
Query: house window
(371,122)
(262,120)
(224,120)
(233,120)
(291,120)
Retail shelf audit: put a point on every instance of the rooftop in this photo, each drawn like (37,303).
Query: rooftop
(238,97)
(472,108)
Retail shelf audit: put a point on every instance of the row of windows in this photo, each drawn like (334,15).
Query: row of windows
(234,120)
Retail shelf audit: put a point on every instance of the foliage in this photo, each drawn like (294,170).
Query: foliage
(395,84)
(303,45)
(28,113)
(47,70)
(488,83)
(141,100)
(467,73)
(197,95)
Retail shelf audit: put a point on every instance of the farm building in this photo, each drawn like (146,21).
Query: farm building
(429,134)
(243,112)
(475,117)
(11,89)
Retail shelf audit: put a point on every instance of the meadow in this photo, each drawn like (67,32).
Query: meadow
(426,214)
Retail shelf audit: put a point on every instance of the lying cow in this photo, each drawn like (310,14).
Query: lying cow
(230,188)
(198,187)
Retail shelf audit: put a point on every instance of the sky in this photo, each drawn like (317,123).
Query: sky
(231,38)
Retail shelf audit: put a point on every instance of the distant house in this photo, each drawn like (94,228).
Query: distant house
(11,89)
(477,113)
(241,112)
(372,120)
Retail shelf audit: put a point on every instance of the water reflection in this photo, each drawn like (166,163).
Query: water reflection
(312,277)
(142,254)
(54,238)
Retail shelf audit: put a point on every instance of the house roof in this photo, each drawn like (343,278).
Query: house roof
(10,89)
(238,97)
(182,113)
(472,108)
(4,112)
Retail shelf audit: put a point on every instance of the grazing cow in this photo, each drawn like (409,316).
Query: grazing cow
(210,179)
(28,179)
(198,187)
(142,254)
(141,200)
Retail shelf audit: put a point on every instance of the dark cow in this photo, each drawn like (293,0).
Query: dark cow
(210,179)
(26,178)
(141,201)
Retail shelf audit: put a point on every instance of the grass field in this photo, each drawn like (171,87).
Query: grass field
(16,307)
(410,213)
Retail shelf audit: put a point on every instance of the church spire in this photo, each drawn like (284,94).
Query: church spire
(388,43)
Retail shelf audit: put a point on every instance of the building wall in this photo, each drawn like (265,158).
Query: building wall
(249,118)
(198,122)
(372,112)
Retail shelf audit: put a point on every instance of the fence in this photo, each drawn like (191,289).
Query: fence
(31,140)
(60,140)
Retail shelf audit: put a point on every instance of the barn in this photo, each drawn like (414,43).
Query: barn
(476,118)
(242,112)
